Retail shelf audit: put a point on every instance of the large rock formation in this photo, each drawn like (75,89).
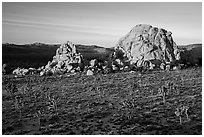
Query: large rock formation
(145,45)
(66,59)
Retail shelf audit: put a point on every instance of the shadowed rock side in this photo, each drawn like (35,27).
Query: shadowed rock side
(145,43)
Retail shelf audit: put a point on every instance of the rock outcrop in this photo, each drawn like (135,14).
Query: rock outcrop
(66,60)
(146,44)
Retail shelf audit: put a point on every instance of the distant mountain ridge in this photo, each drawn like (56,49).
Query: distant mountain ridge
(80,47)
(46,44)
(190,46)
(191,54)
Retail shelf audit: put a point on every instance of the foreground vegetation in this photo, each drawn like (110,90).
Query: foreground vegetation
(158,102)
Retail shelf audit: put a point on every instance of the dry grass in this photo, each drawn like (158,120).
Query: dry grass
(120,103)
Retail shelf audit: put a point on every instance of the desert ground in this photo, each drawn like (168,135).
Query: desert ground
(118,103)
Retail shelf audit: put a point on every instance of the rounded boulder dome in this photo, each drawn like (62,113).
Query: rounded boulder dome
(147,43)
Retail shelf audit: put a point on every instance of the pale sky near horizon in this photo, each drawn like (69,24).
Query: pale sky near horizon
(100,24)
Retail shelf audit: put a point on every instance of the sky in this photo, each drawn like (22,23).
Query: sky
(97,23)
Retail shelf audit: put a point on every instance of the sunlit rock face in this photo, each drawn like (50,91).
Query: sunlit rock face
(66,59)
(145,43)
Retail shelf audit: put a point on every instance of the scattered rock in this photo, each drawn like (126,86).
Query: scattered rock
(94,63)
(115,68)
(73,71)
(176,68)
(168,67)
(162,66)
(152,66)
(126,68)
(89,72)
(132,71)
(42,73)
(20,71)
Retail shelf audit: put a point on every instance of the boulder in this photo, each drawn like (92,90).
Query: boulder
(42,73)
(126,68)
(176,68)
(151,66)
(20,71)
(147,43)
(162,66)
(89,72)
(73,71)
(94,63)
(168,67)
(115,68)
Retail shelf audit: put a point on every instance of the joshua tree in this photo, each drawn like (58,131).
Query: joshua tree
(169,86)
(38,115)
(186,112)
(52,104)
(27,89)
(178,114)
(163,92)
(19,105)
(181,111)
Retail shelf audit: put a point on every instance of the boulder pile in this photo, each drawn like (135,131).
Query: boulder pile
(149,46)
(144,47)
(106,67)
(23,71)
(67,59)
(20,71)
